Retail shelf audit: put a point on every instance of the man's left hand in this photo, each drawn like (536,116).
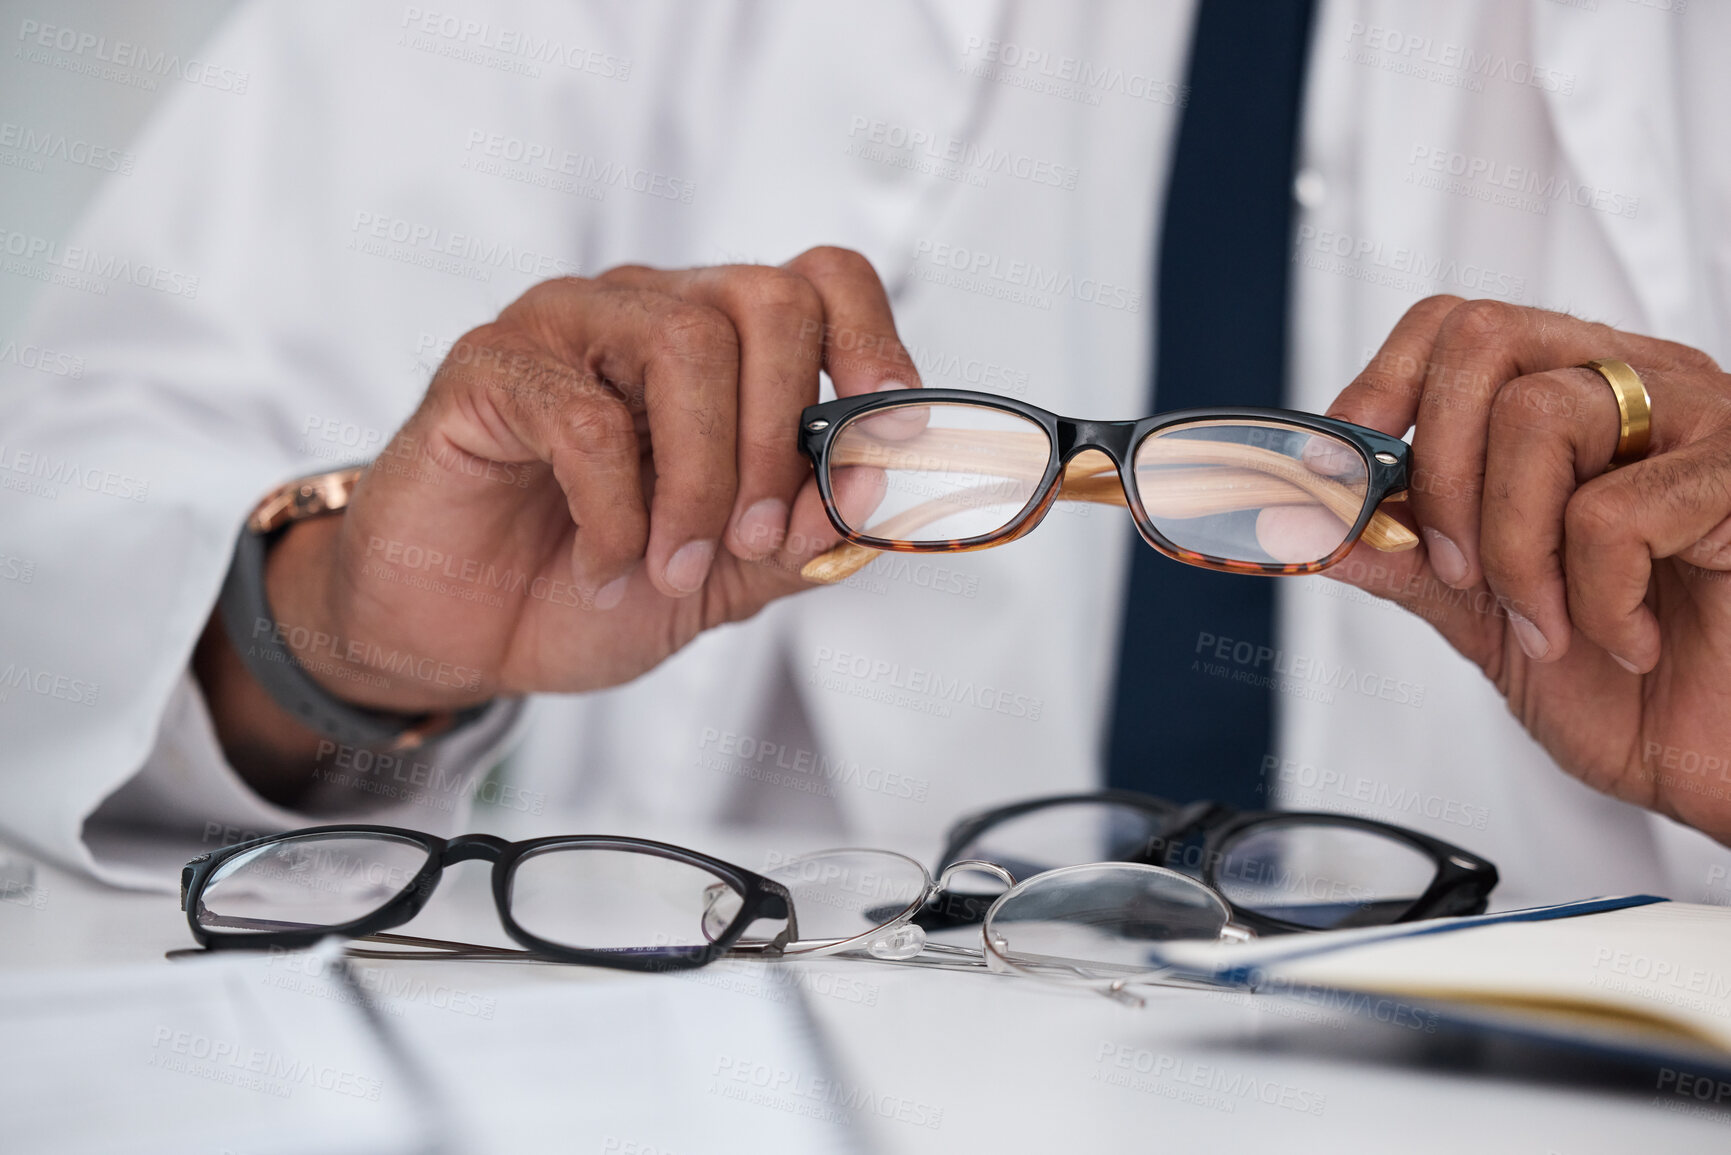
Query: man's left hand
(1597,599)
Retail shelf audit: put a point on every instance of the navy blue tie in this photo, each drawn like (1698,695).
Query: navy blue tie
(1193,712)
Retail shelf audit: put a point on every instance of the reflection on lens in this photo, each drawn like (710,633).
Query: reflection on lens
(308,881)
(599,898)
(841,895)
(1065,834)
(1099,921)
(936,472)
(1252,491)
(1322,876)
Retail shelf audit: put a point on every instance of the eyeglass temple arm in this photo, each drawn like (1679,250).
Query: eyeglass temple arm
(435,948)
(1088,481)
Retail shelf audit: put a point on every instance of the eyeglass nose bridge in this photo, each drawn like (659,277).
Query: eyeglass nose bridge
(486,847)
(1110,437)
(975,866)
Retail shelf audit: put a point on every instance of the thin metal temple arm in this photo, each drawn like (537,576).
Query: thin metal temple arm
(437,948)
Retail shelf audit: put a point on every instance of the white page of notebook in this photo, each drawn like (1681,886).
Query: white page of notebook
(1665,962)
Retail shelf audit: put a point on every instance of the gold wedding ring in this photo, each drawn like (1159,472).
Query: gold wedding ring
(1634,408)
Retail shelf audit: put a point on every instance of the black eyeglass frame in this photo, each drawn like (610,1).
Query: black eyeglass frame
(760,897)
(1461,886)
(1386,461)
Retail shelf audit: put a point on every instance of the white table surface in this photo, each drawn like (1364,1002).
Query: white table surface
(969,1062)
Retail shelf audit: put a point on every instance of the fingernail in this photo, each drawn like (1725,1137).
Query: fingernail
(1532,638)
(690,565)
(1629,666)
(1446,558)
(762,527)
(612,593)
(886,386)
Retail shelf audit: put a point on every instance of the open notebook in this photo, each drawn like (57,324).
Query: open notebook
(1637,973)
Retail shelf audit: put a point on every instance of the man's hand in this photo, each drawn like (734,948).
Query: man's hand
(594,478)
(1598,600)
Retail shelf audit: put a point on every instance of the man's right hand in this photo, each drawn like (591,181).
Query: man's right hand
(606,470)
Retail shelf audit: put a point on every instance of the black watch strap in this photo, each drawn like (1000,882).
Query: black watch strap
(258,639)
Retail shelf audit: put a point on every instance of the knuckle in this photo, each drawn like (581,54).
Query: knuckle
(1688,357)
(542,316)
(612,540)
(1693,359)
(476,347)
(1595,516)
(1536,401)
(498,361)
(494,332)
(1478,322)
(1512,563)
(1445,494)
(697,333)
(833,260)
(1683,490)
(1510,400)
(599,427)
(1385,380)
(546,294)
(767,445)
(778,291)
(621,536)
(1588,610)
(1716,406)
(1437,303)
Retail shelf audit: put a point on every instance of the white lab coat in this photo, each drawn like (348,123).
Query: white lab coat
(391,178)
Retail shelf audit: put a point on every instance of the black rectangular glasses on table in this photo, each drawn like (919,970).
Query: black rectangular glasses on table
(1279,871)
(615,902)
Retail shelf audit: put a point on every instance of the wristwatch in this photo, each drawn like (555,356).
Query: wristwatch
(254,633)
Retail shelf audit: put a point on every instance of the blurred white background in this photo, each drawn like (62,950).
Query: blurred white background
(39,99)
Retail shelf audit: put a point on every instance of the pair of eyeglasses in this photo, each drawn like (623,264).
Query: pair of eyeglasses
(1245,490)
(1095,925)
(1276,871)
(627,903)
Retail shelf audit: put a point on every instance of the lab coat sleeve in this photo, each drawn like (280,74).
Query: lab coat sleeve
(219,319)
(186,799)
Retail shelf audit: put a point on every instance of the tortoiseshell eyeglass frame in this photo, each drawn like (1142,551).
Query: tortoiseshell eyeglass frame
(1386,461)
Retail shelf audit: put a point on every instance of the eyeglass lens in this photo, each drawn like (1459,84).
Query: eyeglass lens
(843,896)
(308,881)
(1098,921)
(936,472)
(1322,876)
(1251,491)
(600,898)
(1062,834)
